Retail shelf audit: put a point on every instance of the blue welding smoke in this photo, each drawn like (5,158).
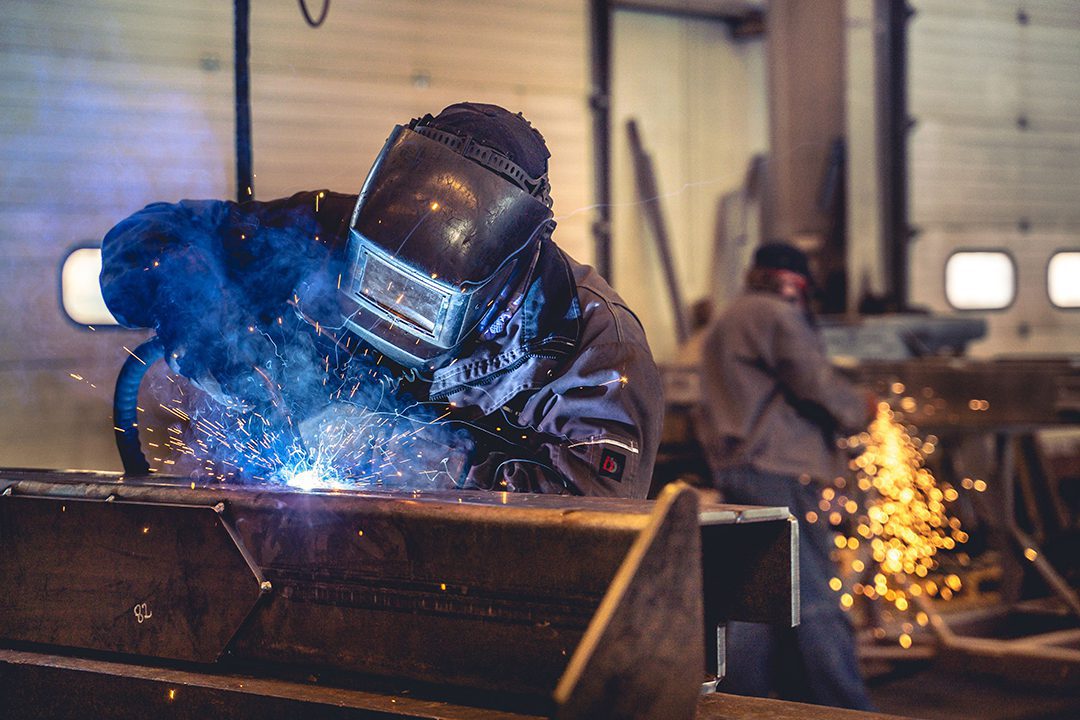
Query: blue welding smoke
(283,396)
(366,433)
(328,426)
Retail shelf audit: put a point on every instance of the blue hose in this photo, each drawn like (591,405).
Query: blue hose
(125,400)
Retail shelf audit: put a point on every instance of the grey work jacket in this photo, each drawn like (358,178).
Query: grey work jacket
(591,406)
(770,396)
(567,399)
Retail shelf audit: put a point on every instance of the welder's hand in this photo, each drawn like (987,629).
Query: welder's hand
(248,378)
(190,349)
(220,355)
(871,400)
(429,455)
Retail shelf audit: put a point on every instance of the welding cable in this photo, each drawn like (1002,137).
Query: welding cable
(307,15)
(125,402)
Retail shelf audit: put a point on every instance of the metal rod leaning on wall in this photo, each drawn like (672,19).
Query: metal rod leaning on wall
(649,198)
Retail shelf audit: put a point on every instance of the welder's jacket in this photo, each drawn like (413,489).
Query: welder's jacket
(569,390)
(770,397)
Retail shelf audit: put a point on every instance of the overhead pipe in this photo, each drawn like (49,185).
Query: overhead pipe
(600,105)
(245,176)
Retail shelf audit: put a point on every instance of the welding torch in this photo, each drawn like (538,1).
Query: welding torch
(126,398)
(296,441)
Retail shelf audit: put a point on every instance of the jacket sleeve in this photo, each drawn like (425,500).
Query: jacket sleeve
(175,258)
(809,379)
(592,430)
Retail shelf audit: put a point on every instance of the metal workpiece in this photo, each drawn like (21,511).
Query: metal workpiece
(133,578)
(1002,403)
(943,393)
(122,691)
(576,604)
(604,678)
(751,570)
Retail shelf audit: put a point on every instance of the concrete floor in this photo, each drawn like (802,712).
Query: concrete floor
(922,690)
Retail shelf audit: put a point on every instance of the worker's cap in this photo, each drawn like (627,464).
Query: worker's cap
(781,256)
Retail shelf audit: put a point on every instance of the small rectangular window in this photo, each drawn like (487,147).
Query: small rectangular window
(981,280)
(80,290)
(1063,279)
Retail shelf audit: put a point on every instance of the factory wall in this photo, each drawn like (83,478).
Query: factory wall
(699,97)
(806,79)
(112,104)
(994,155)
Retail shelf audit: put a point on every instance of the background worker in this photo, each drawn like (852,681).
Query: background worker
(441,276)
(774,408)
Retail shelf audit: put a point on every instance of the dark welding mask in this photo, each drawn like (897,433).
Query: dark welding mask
(442,244)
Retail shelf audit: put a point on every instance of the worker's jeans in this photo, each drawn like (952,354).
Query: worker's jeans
(814,662)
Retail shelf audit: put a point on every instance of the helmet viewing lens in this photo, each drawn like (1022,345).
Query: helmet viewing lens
(401,295)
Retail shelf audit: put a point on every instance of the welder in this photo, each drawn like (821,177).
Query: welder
(776,408)
(442,269)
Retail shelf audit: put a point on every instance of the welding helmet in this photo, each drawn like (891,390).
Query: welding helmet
(446,232)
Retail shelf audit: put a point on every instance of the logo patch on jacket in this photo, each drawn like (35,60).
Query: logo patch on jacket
(612,465)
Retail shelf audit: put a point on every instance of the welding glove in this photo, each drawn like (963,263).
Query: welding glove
(427,455)
(387,449)
(213,345)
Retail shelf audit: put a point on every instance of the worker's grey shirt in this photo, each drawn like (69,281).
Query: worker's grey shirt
(770,398)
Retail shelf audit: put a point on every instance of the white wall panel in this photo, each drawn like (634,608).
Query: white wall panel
(1031,325)
(324,100)
(108,105)
(994,157)
(699,99)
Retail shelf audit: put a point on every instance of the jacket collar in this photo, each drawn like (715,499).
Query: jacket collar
(537,339)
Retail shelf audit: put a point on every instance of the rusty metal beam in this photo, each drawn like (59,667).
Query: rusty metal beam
(97,688)
(136,578)
(482,593)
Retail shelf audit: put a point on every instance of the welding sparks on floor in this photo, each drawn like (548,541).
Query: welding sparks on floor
(897,524)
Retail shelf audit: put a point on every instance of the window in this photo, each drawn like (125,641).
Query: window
(982,280)
(1063,279)
(80,291)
